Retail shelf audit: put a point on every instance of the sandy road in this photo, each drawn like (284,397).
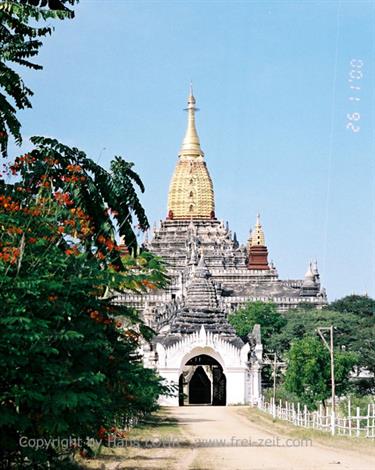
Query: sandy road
(222,438)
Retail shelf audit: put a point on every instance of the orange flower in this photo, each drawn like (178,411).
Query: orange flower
(12,230)
(10,254)
(148,284)
(110,245)
(101,239)
(72,251)
(74,168)
(100,255)
(102,432)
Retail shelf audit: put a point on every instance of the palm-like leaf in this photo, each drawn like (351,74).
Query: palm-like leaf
(108,197)
(20,42)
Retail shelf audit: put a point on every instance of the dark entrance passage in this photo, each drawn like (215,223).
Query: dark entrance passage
(202,382)
(199,388)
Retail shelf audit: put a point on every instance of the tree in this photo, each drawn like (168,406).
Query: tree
(362,340)
(54,5)
(301,322)
(68,354)
(109,198)
(361,305)
(20,42)
(264,314)
(309,375)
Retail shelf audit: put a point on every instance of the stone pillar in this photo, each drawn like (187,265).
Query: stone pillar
(256,380)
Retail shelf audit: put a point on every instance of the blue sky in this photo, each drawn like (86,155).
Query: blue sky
(271,80)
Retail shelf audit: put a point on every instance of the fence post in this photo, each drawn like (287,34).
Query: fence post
(298,413)
(358,421)
(333,421)
(350,416)
(320,415)
(305,415)
(368,421)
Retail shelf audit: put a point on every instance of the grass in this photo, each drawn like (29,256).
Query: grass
(160,426)
(264,420)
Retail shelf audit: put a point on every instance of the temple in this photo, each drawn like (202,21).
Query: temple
(212,275)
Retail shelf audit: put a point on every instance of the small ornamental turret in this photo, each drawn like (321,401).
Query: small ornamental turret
(315,271)
(309,286)
(258,253)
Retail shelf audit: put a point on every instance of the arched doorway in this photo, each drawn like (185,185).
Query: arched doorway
(202,382)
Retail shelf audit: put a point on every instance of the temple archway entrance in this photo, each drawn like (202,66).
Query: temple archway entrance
(202,382)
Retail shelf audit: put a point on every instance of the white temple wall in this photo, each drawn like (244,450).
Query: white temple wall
(236,386)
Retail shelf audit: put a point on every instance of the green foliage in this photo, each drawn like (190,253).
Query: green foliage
(362,339)
(362,402)
(301,323)
(264,314)
(57,6)
(20,42)
(309,375)
(281,394)
(361,305)
(68,354)
(109,198)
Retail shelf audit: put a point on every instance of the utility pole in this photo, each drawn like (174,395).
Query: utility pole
(274,379)
(330,349)
(274,364)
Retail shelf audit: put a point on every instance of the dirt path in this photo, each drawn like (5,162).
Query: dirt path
(231,438)
(225,439)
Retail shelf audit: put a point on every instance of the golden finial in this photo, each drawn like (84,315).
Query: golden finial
(257,235)
(191,146)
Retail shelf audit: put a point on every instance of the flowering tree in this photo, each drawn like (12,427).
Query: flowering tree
(69,354)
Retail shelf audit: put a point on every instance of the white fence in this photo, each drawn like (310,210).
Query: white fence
(354,424)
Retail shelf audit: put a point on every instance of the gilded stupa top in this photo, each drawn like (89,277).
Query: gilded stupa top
(257,235)
(191,194)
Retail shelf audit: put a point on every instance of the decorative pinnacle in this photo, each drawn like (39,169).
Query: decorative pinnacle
(191,144)
(309,273)
(191,99)
(257,235)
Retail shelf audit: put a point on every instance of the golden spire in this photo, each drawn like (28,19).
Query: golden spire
(191,194)
(191,146)
(257,235)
